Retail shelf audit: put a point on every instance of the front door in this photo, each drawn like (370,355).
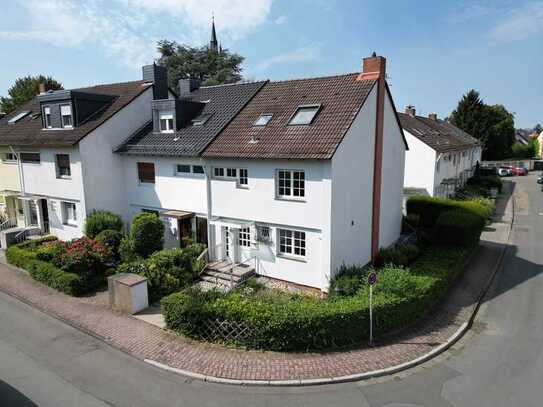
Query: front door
(185,232)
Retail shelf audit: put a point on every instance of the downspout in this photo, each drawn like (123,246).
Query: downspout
(207,171)
(20,170)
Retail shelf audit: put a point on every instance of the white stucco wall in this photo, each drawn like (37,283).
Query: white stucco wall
(352,190)
(103,170)
(419,164)
(392,180)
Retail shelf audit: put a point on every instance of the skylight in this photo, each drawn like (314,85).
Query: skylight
(201,120)
(18,117)
(263,119)
(304,115)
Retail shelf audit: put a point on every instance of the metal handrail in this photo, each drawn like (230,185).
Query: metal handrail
(7,224)
(21,236)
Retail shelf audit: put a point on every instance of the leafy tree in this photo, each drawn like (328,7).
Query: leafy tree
(209,66)
(24,90)
(492,125)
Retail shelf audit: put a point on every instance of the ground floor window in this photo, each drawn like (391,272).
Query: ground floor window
(245,237)
(292,242)
(69,216)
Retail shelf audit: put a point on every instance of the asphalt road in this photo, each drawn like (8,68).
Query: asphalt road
(44,362)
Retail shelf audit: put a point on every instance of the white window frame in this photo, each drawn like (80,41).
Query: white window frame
(29,162)
(198,173)
(221,171)
(59,175)
(316,108)
(6,160)
(71,115)
(291,240)
(291,188)
(263,120)
(243,181)
(263,234)
(168,118)
(66,219)
(244,237)
(47,117)
(230,170)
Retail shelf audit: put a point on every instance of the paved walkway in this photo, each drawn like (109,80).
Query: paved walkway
(146,341)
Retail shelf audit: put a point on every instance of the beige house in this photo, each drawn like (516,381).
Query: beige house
(10,205)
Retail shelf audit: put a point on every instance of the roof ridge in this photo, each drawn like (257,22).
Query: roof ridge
(110,84)
(316,77)
(248,82)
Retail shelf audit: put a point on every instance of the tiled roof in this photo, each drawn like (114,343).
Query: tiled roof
(223,102)
(28,131)
(340,98)
(440,135)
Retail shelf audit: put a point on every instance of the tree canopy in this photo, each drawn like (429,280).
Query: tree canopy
(492,125)
(24,90)
(209,66)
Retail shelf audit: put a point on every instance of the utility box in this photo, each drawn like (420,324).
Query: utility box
(128,292)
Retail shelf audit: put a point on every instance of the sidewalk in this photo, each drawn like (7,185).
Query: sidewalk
(211,362)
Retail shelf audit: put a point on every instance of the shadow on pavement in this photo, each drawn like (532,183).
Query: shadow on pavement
(10,396)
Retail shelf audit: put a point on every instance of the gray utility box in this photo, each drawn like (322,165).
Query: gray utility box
(128,292)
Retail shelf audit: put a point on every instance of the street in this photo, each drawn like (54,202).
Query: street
(45,362)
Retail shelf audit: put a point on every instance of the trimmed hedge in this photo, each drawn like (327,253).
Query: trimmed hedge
(285,322)
(487,181)
(458,227)
(98,221)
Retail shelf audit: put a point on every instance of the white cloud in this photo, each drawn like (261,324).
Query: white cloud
(520,23)
(467,11)
(308,53)
(281,20)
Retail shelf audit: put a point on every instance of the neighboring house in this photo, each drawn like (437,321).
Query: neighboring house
(441,156)
(294,177)
(9,190)
(522,136)
(62,142)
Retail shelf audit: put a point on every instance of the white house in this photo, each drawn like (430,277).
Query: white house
(441,156)
(291,179)
(62,142)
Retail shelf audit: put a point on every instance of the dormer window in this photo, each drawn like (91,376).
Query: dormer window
(47,117)
(304,115)
(263,119)
(166,123)
(66,116)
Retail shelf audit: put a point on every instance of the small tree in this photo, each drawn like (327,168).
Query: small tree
(98,221)
(24,90)
(147,234)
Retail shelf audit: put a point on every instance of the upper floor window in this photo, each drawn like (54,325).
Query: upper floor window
(63,166)
(31,158)
(47,117)
(218,172)
(166,122)
(292,242)
(243,179)
(198,169)
(263,119)
(66,116)
(183,169)
(290,184)
(146,173)
(231,172)
(304,115)
(9,158)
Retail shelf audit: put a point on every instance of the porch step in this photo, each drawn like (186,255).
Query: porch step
(223,276)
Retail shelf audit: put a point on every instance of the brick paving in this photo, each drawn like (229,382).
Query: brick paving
(146,341)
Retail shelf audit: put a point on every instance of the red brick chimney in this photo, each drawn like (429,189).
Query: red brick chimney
(410,110)
(41,88)
(432,116)
(373,67)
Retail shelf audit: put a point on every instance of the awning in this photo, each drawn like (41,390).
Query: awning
(177,214)
(231,223)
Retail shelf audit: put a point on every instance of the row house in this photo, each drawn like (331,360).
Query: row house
(441,156)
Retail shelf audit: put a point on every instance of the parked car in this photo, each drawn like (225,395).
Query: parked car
(504,172)
(540,178)
(515,170)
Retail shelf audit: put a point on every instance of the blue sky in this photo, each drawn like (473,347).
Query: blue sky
(435,50)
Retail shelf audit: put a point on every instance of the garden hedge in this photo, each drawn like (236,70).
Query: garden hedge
(459,228)
(487,181)
(302,323)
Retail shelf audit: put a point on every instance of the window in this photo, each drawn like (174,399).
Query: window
(244,237)
(31,158)
(166,122)
(304,115)
(231,172)
(69,216)
(66,115)
(291,184)
(243,179)
(63,166)
(47,117)
(201,120)
(291,242)
(182,168)
(146,173)
(263,234)
(197,169)
(218,172)
(18,117)
(263,119)
(9,158)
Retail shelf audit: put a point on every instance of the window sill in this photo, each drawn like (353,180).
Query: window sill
(295,258)
(73,225)
(146,184)
(64,177)
(242,186)
(288,199)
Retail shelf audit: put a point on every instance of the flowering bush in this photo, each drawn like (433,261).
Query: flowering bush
(82,256)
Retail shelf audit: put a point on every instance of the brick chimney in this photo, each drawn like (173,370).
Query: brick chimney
(373,67)
(410,110)
(432,116)
(41,88)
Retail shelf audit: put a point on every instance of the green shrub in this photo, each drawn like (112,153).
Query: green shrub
(348,280)
(126,250)
(296,322)
(459,228)
(82,256)
(401,255)
(32,244)
(112,240)
(147,234)
(49,251)
(19,257)
(487,181)
(98,221)
(68,283)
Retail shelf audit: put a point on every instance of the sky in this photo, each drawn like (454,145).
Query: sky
(436,50)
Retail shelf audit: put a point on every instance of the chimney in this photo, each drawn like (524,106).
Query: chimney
(41,88)
(432,116)
(373,67)
(410,110)
(158,75)
(186,86)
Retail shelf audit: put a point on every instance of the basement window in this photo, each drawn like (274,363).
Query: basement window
(304,115)
(263,119)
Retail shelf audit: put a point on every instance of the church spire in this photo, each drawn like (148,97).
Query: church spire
(213,44)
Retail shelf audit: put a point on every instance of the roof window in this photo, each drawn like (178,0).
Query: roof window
(304,115)
(201,120)
(18,117)
(263,119)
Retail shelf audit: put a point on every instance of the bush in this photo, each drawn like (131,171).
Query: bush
(458,227)
(488,181)
(401,255)
(126,250)
(296,322)
(147,234)
(110,239)
(348,280)
(82,256)
(98,221)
